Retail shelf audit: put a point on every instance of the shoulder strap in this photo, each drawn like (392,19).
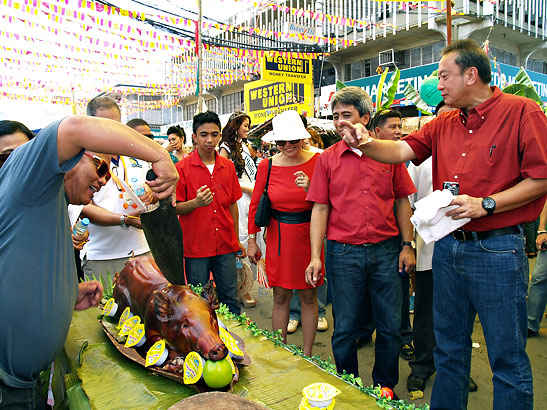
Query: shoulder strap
(269,170)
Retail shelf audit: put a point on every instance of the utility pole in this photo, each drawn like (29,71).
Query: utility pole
(448,22)
(200,60)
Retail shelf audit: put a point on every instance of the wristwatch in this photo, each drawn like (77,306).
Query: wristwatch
(122,221)
(252,236)
(489,205)
(407,243)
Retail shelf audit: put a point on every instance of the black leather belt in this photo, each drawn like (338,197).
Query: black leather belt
(479,236)
(292,218)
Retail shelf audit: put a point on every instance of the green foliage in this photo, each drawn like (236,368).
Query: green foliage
(340,85)
(523,91)
(413,96)
(326,365)
(197,289)
(380,91)
(391,90)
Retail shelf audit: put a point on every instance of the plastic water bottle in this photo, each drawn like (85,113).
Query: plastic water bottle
(239,265)
(137,186)
(79,229)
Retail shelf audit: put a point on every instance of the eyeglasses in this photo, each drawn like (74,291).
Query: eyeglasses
(103,170)
(282,143)
(149,136)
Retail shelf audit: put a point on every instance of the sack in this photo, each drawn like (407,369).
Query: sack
(264,209)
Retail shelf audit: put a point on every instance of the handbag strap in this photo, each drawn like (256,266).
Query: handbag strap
(268,179)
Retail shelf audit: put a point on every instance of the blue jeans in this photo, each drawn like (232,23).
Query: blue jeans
(537,293)
(354,269)
(223,268)
(488,277)
(321,301)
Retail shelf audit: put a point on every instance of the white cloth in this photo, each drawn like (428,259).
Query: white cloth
(430,218)
(422,176)
(113,242)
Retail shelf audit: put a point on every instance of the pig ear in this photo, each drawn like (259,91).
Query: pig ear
(162,306)
(209,292)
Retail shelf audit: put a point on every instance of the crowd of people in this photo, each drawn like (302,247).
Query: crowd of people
(342,214)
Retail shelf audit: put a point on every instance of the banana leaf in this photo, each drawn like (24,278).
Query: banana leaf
(275,378)
(340,85)
(391,89)
(523,78)
(524,91)
(412,95)
(380,91)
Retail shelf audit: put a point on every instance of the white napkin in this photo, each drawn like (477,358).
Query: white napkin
(430,218)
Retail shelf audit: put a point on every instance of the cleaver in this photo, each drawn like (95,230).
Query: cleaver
(164,236)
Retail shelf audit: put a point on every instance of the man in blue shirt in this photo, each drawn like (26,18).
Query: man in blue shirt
(38,285)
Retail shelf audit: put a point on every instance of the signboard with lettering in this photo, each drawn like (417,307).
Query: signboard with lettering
(266,99)
(416,75)
(294,70)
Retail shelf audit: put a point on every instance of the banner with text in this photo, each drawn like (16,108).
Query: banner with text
(294,70)
(266,99)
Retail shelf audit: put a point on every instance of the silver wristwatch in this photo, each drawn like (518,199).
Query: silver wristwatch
(122,221)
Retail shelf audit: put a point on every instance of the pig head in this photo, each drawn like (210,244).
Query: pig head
(175,313)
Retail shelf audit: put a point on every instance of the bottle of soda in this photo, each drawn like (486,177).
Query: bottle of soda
(137,187)
(79,229)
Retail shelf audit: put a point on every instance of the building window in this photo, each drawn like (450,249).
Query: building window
(415,57)
(427,54)
(191,111)
(212,105)
(437,51)
(232,102)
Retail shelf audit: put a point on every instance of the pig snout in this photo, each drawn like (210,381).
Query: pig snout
(218,352)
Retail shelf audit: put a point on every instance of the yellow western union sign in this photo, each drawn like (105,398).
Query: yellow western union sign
(266,99)
(294,70)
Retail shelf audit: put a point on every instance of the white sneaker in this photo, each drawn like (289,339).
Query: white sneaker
(292,326)
(322,324)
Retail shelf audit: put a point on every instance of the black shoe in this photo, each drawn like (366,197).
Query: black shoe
(360,342)
(407,352)
(532,333)
(415,383)
(472,385)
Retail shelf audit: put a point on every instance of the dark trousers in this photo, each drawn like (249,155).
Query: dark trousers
(424,339)
(30,398)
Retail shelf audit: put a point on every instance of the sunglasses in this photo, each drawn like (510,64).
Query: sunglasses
(103,170)
(282,143)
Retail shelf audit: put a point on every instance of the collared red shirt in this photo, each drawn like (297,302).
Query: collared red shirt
(208,230)
(500,143)
(360,192)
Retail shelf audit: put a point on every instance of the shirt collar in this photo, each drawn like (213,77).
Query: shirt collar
(482,109)
(196,159)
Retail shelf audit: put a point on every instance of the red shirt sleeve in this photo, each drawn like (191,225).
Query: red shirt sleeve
(319,186)
(533,145)
(261,175)
(181,184)
(402,183)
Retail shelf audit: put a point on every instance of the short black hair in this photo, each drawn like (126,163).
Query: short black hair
(470,55)
(381,117)
(100,103)
(8,127)
(354,96)
(135,122)
(176,130)
(205,118)
(439,106)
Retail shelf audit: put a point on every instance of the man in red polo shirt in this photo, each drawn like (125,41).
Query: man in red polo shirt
(207,193)
(364,246)
(492,153)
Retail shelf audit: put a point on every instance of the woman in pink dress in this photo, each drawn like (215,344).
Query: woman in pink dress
(288,233)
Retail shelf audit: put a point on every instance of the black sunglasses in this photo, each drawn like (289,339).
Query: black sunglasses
(103,170)
(282,143)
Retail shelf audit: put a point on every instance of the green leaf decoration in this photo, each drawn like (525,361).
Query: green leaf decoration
(340,85)
(524,91)
(413,96)
(380,91)
(523,78)
(391,89)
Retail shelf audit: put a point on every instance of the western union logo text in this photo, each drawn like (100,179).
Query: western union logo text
(287,65)
(275,95)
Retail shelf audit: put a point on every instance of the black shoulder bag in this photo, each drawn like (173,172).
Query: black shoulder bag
(264,209)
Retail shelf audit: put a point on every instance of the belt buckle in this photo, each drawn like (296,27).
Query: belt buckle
(459,235)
